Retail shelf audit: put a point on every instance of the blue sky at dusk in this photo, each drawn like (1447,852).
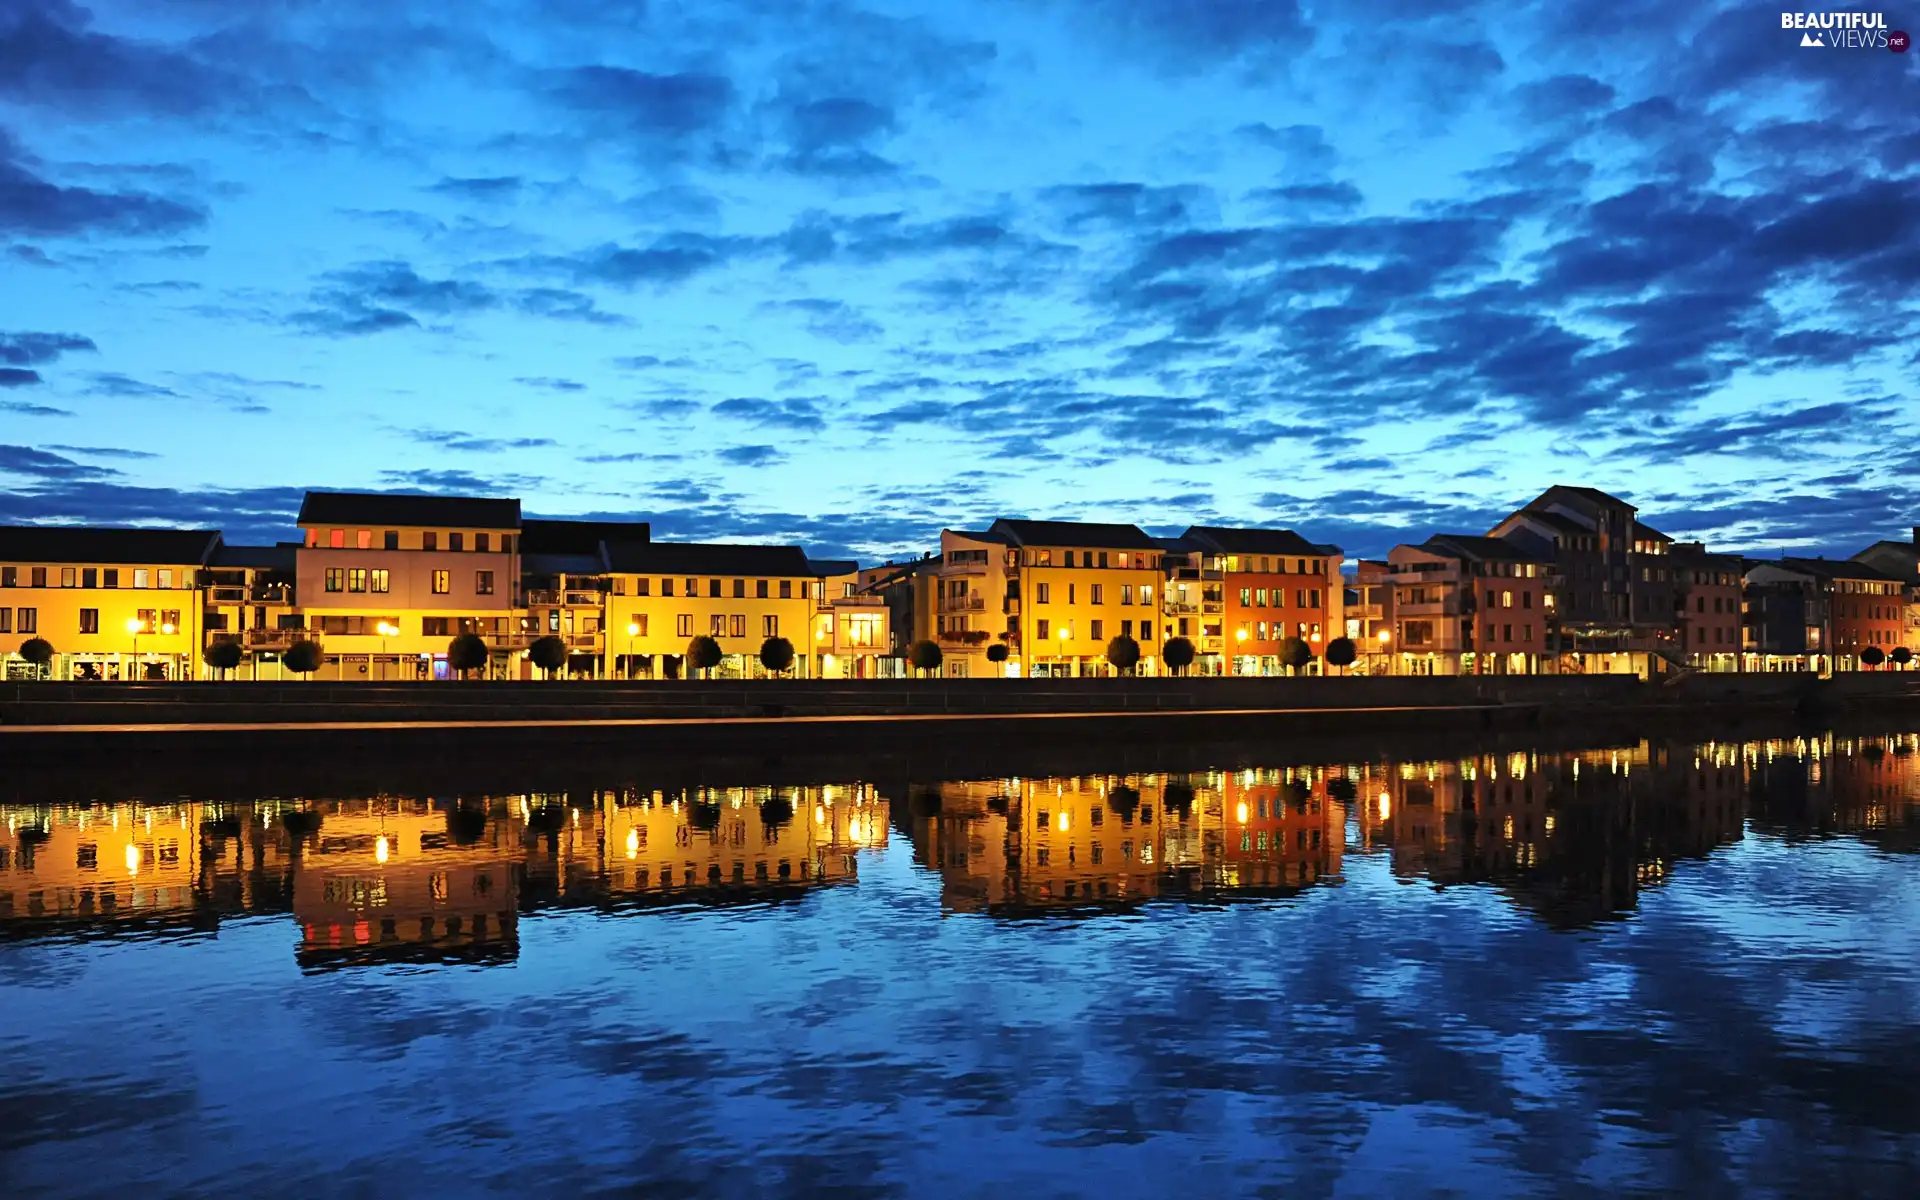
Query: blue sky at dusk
(844,273)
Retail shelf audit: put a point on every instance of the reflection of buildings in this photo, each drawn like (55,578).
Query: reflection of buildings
(397,879)
(1574,837)
(1865,786)
(1018,845)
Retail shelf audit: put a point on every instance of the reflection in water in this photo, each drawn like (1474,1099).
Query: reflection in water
(1347,978)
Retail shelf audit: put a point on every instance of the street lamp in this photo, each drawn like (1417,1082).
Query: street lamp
(1385,636)
(386,630)
(633,631)
(136,627)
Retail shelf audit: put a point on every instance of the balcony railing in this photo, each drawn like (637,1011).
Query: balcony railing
(1182,609)
(272,639)
(967,603)
(272,593)
(570,598)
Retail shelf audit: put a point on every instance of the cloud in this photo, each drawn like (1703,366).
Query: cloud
(105,452)
(23,409)
(50,56)
(12,377)
(34,206)
(41,464)
(752,456)
(796,414)
(489,189)
(549,383)
(36,349)
(668,110)
(113,383)
(475,444)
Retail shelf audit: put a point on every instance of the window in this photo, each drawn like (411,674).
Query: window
(713,589)
(737,625)
(89,620)
(456,541)
(1042,594)
(6,620)
(442,582)
(1506,599)
(739,589)
(693,588)
(1103,559)
(506,543)
(378,579)
(1040,629)
(336,579)
(1146,631)
(666,588)
(685,625)
(357,579)
(1260,630)
(1099,630)
(1246,597)
(1126,594)
(1098,591)
(39,577)
(1069,559)
(1146,593)
(1071,588)
(786,589)
(482,542)
(67,576)
(483,583)
(760,589)
(1126,629)
(638,623)
(1506,633)
(27,620)
(337,539)
(140,577)
(769,626)
(9,576)
(89,577)
(363,539)
(718,624)
(430,540)
(1526,599)
(436,627)
(391,541)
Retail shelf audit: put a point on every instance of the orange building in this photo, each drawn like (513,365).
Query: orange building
(1706,602)
(1277,585)
(1466,605)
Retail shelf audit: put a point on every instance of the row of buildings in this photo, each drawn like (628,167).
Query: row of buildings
(1574,838)
(382,583)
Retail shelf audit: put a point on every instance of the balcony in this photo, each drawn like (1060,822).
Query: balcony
(272,639)
(964,637)
(266,593)
(567,599)
(967,603)
(1177,608)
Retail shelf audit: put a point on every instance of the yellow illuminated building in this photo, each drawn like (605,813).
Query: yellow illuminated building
(115,604)
(74,867)
(386,582)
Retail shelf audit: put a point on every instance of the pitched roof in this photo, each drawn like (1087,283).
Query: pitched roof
(1641,530)
(563,564)
(979,535)
(1480,548)
(1835,568)
(827,568)
(1551,520)
(410,509)
(707,558)
(96,544)
(1594,494)
(543,535)
(1255,541)
(1074,533)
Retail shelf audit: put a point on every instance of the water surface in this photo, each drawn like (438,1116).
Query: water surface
(1652,968)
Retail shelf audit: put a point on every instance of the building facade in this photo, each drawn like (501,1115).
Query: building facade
(1276,585)
(1706,606)
(1466,605)
(115,605)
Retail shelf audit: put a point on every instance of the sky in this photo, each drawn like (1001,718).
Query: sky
(845,273)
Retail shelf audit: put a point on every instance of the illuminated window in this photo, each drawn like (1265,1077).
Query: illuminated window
(442,582)
(483,583)
(357,579)
(769,626)
(684,624)
(377,579)
(89,620)
(337,538)
(336,579)
(363,539)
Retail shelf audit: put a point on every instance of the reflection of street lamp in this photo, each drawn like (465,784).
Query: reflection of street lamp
(633,631)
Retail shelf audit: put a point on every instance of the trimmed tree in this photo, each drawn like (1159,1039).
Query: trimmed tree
(776,655)
(997,655)
(1341,652)
(1873,656)
(1900,657)
(1295,653)
(302,658)
(468,652)
(1177,654)
(39,652)
(1124,653)
(548,653)
(703,654)
(924,655)
(223,655)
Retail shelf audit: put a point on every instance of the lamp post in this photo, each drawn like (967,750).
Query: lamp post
(387,629)
(1385,636)
(633,631)
(136,627)
(1062,633)
(1239,635)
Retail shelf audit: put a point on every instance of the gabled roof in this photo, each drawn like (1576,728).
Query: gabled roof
(96,544)
(1559,522)
(1647,531)
(827,568)
(1255,541)
(1593,494)
(563,564)
(1023,532)
(415,511)
(543,535)
(707,558)
(1479,549)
